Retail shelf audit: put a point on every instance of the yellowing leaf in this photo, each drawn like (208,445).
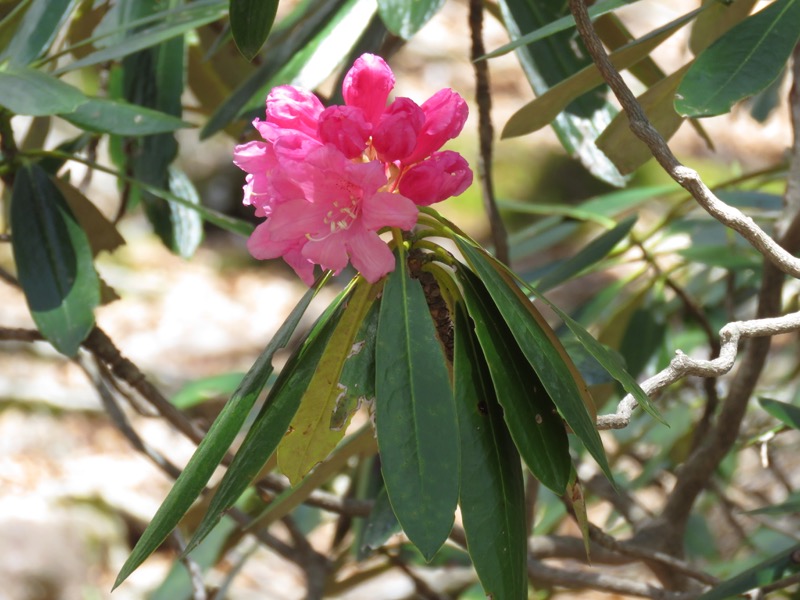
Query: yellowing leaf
(311,437)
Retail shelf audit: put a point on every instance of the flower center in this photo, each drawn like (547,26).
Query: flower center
(340,218)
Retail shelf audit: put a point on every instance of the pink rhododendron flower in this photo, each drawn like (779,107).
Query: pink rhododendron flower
(329,179)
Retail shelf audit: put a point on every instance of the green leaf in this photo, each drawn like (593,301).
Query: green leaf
(567,22)
(619,143)
(536,429)
(211,450)
(311,437)
(415,415)
(404,18)
(187,224)
(595,251)
(305,55)
(715,21)
(30,92)
(251,22)
(549,61)
(492,496)
(102,234)
(208,388)
(54,260)
(764,573)
(36,31)
(786,413)
(546,107)
(791,506)
(725,256)
(742,62)
(169,24)
(559,377)
(381,525)
(102,115)
(272,421)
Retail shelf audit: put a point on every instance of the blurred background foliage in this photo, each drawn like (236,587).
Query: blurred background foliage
(117,123)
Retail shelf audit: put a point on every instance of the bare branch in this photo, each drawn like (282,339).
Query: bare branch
(683,365)
(581,579)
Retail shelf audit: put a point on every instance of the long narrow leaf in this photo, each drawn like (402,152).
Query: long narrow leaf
(54,260)
(536,429)
(492,497)
(212,449)
(415,415)
(545,108)
(272,421)
(541,347)
(251,22)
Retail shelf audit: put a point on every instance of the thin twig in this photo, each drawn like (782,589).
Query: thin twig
(195,573)
(483,99)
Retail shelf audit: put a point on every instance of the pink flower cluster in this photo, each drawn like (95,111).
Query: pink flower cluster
(329,179)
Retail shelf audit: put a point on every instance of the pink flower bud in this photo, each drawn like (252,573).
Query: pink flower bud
(445,115)
(345,128)
(441,176)
(367,86)
(289,107)
(395,137)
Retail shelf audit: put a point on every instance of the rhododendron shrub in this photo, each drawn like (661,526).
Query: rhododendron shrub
(329,180)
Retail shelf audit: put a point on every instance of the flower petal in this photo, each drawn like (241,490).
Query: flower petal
(262,245)
(388,210)
(329,253)
(367,86)
(441,176)
(301,265)
(396,134)
(346,128)
(298,219)
(293,108)
(445,115)
(369,254)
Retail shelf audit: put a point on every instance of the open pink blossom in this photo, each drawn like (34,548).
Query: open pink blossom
(330,179)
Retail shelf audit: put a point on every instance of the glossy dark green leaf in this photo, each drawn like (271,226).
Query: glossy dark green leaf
(297,55)
(169,24)
(550,61)
(786,413)
(211,450)
(404,18)
(566,22)
(415,415)
(54,261)
(764,573)
(742,62)
(35,93)
(529,413)
(558,375)
(594,252)
(492,496)
(36,31)
(113,116)
(272,421)
(544,109)
(251,22)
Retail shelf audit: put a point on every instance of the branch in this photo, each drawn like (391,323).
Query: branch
(687,178)
(579,579)
(682,365)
